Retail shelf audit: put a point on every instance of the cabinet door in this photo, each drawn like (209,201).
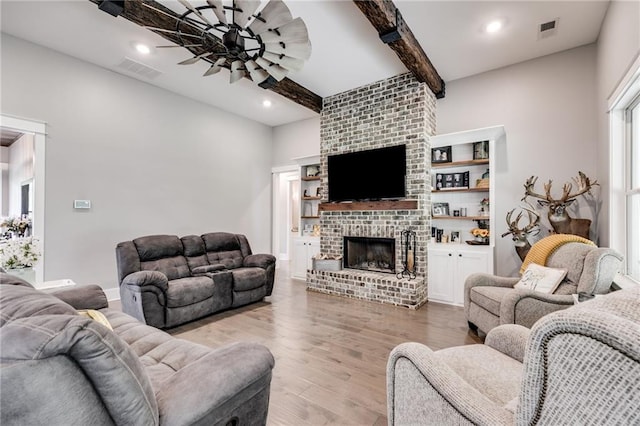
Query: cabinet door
(299,264)
(313,248)
(468,262)
(441,273)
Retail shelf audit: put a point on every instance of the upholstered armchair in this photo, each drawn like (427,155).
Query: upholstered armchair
(579,366)
(490,300)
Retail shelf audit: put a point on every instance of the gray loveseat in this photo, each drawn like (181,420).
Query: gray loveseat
(166,281)
(60,368)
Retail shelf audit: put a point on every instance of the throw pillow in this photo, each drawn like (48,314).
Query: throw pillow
(541,278)
(96,316)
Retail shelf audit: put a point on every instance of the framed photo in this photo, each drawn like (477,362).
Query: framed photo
(441,154)
(481,150)
(440,209)
(313,171)
(446,181)
(455,236)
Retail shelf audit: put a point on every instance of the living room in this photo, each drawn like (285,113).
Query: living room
(156,162)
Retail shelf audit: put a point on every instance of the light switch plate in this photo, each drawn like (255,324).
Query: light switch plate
(81,204)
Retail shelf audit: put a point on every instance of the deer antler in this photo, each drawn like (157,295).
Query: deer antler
(534,220)
(528,189)
(582,182)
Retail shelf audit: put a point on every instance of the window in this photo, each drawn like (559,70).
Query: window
(632,193)
(624,182)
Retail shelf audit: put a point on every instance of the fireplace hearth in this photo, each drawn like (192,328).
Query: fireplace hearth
(370,254)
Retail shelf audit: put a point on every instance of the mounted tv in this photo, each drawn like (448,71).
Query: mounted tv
(376,174)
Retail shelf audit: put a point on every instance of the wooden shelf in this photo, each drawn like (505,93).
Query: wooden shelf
(443,191)
(310,217)
(370,205)
(311,198)
(308,178)
(460,164)
(461,217)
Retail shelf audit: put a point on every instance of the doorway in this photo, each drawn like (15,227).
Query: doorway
(286,206)
(29,187)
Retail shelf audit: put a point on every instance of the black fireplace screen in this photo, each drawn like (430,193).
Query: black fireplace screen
(370,254)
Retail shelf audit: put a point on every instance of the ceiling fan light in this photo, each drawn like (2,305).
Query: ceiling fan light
(237,71)
(274,70)
(275,13)
(218,9)
(248,8)
(292,32)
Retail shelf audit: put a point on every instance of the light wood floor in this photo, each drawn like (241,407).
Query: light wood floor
(330,352)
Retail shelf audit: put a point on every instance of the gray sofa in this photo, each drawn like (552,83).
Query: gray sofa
(166,281)
(60,368)
(578,366)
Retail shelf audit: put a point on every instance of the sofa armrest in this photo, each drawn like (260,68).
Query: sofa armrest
(510,339)
(487,280)
(147,278)
(200,392)
(421,389)
(83,297)
(525,307)
(259,260)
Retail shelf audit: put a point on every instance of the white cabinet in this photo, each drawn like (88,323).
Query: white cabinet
(304,248)
(450,265)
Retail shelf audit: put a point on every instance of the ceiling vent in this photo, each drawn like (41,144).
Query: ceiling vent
(548,29)
(138,68)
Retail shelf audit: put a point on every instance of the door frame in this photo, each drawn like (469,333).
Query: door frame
(278,208)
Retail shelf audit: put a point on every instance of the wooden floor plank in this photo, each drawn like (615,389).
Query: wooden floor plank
(331,352)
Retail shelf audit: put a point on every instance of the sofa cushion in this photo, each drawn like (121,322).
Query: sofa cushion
(155,247)
(18,301)
(194,251)
(541,278)
(187,291)
(489,298)
(245,279)
(173,267)
(223,248)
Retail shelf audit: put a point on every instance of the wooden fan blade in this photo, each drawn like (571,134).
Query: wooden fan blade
(195,59)
(257,74)
(248,7)
(292,32)
(294,50)
(218,9)
(275,13)
(237,71)
(189,6)
(216,67)
(286,62)
(275,70)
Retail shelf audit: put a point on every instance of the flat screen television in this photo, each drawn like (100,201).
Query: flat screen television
(375,174)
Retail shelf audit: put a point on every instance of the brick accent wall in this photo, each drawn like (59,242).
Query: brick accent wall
(399,110)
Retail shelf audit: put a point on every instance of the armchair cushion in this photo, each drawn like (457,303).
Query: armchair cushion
(541,278)
(489,298)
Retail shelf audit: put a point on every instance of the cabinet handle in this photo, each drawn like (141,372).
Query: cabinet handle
(449,254)
(459,254)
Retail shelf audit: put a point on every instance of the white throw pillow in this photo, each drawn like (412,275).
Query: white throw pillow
(541,278)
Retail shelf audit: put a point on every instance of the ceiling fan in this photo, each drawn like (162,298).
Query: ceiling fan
(264,44)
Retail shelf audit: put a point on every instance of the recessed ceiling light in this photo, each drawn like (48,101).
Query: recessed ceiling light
(493,26)
(266,103)
(143,48)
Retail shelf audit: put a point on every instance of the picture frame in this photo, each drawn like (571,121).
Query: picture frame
(439,209)
(481,150)
(455,236)
(441,154)
(445,181)
(313,171)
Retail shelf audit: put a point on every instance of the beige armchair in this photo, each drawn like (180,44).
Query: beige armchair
(490,300)
(579,366)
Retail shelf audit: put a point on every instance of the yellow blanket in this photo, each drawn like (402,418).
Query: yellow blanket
(541,250)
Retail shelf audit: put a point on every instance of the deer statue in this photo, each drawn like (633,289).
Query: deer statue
(559,219)
(520,236)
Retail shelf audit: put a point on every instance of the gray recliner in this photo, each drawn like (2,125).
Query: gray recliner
(490,300)
(60,368)
(579,366)
(166,281)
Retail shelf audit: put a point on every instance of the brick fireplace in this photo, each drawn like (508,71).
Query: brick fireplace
(399,110)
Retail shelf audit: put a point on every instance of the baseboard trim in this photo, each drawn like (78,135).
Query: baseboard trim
(112,293)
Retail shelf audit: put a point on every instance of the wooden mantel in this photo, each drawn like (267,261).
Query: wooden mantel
(369,205)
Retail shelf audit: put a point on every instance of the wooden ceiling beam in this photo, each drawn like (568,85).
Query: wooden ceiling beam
(394,31)
(156,15)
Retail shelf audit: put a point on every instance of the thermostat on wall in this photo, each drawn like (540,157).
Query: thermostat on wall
(81,204)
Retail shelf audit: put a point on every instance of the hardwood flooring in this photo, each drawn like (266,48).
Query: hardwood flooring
(330,352)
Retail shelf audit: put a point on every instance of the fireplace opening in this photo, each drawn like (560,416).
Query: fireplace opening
(370,254)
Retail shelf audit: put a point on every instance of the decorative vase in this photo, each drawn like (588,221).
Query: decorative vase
(27,274)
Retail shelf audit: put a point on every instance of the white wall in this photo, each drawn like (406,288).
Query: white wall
(299,139)
(618,47)
(547,106)
(149,160)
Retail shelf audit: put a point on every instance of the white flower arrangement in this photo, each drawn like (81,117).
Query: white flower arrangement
(19,253)
(16,225)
